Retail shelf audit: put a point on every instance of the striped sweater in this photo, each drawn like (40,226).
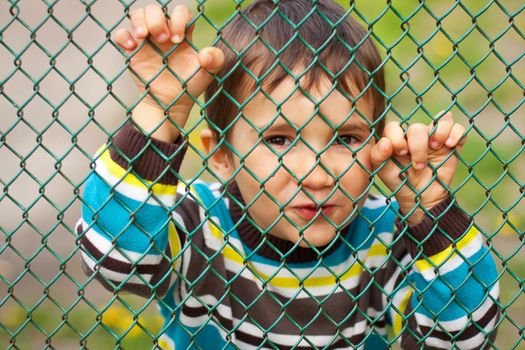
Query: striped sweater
(222,284)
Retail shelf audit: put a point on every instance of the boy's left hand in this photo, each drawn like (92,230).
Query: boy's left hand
(421,149)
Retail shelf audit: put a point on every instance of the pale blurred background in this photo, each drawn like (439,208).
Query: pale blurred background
(56,109)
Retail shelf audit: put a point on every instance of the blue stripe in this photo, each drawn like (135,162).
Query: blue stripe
(114,216)
(469,291)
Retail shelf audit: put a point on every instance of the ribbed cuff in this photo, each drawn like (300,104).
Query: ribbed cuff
(155,156)
(440,226)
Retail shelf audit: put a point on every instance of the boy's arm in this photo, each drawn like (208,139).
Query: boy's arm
(126,232)
(449,297)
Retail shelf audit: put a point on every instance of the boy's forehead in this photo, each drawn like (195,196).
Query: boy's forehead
(293,101)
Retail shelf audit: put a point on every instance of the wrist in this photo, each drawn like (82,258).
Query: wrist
(415,212)
(152,120)
(441,225)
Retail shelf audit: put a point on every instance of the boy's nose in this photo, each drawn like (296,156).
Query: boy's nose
(315,175)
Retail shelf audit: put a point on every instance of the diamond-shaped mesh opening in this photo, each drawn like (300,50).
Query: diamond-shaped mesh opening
(278,230)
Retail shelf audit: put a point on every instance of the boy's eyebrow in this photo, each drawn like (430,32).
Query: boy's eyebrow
(359,126)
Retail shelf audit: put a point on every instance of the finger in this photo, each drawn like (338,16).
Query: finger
(395,133)
(417,140)
(124,39)
(381,152)
(138,23)
(180,17)
(456,137)
(443,128)
(157,23)
(211,59)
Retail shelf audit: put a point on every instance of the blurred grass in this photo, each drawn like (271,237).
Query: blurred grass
(120,323)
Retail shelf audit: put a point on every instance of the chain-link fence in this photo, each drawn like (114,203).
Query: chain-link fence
(65,90)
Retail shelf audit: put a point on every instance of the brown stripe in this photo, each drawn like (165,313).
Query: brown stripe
(211,313)
(118,265)
(153,160)
(189,210)
(134,288)
(464,334)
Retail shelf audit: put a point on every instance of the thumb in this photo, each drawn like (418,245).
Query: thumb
(211,59)
(381,152)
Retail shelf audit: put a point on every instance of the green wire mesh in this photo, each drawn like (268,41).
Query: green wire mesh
(65,87)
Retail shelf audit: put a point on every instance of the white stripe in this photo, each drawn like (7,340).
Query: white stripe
(375,203)
(396,301)
(371,261)
(390,284)
(105,246)
(176,216)
(140,194)
(454,261)
(470,343)
(115,276)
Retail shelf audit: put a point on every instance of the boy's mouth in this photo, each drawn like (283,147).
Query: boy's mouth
(309,211)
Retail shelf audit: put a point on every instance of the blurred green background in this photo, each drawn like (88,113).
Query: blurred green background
(57,109)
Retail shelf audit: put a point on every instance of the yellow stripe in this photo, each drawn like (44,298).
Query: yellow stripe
(398,318)
(118,172)
(449,253)
(215,231)
(291,282)
(175,244)
(377,250)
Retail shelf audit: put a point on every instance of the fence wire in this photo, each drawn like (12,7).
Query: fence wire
(65,90)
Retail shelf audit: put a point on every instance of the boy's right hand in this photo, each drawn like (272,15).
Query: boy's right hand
(191,67)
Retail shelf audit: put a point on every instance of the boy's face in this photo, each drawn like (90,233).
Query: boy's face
(307,181)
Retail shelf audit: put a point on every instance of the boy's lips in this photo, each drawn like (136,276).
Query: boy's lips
(309,211)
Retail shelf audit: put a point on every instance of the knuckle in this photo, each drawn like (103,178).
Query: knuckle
(416,129)
(391,125)
(120,35)
(183,9)
(136,13)
(439,135)
(152,8)
(460,129)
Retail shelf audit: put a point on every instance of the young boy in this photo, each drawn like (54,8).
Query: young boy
(289,251)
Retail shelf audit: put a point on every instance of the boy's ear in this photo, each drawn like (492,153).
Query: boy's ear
(218,160)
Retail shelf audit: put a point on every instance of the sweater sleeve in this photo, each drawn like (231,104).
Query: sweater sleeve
(444,285)
(126,233)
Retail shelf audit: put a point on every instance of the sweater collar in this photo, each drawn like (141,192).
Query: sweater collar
(266,245)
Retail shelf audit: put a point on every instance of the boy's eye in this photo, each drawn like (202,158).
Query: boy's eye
(346,140)
(278,141)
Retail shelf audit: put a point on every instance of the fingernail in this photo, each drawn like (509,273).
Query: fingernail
(176,39)
(435,145)
(162,37)
(129,43)
(139,31)
(420,166)
(449,143)
(403,152)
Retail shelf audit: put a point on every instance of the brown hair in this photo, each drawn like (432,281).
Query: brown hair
(261,36)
